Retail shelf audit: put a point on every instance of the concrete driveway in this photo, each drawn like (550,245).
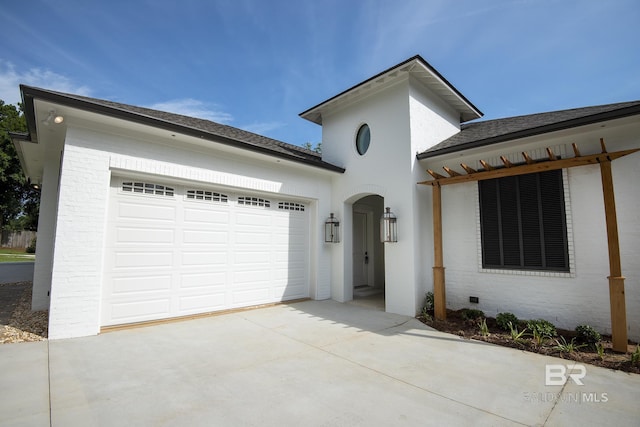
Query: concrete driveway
(11,272)
(315,363)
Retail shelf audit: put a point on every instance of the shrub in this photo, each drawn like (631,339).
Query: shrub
(504,319)
(428,303)
(31,249)
(542,327)
(587,335)
(472,314)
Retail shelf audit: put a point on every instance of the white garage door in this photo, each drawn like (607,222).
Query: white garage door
(175,250)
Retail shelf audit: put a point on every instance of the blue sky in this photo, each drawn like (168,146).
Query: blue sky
(256,64)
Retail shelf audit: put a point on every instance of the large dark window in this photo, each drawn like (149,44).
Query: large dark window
(523,222)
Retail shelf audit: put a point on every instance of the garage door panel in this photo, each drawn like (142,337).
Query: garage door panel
(145,259)
(204,258)
(250,296)
(171,255)
(251,276)
(212,279)
(257,237)
(257,219)
(205,302)
(137,311)
(205,236)
(206,216)
(129,285)
(137,235)
(252,258)
(146,212)
(289,291)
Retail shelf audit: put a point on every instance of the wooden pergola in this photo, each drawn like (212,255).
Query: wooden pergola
(604,159)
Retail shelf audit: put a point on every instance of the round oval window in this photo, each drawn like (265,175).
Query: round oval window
(363,139)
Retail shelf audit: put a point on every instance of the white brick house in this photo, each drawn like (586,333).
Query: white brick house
(147,215)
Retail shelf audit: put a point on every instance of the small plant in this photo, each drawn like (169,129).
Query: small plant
(587,335)
(542,327)
(635,356)
(484,329)
(472,314)
(504,319)
(515,335)
(428,303)
(600,350)
(538,338)
(568,347)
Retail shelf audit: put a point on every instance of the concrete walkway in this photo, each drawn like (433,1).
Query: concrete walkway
(315,363)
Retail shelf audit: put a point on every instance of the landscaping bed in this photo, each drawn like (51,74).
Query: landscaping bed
(469,324)
(17,322)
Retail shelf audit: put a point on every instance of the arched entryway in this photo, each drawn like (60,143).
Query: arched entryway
(368,252)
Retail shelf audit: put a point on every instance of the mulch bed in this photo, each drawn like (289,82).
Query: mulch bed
(469,329)
(17,322)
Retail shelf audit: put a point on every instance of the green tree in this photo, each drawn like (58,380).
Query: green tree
(19,203)
(309,146)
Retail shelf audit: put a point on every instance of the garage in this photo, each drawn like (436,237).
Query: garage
(177,250)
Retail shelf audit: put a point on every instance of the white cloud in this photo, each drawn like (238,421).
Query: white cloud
(194,108)
(10,79)
(262,128)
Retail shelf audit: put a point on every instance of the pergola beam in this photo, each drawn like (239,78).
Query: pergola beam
(541,166)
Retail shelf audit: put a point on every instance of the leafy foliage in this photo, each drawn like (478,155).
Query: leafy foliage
(568,347)
(472,314)
(309,146)
(600,350)
(542,327)
(428,303)
(587,335)
(19,203)
(516,336)
(484,329)
(504,319)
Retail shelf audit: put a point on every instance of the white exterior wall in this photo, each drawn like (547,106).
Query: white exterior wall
(46,227)
(565,299)
(432,121)
(89,159)
(401,118)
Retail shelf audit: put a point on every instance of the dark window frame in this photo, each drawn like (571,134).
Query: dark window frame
(523,223)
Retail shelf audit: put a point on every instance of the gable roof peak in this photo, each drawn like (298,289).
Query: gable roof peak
(418,67)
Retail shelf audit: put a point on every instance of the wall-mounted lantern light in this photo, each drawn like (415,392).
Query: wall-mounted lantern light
(388,227)
(332,230)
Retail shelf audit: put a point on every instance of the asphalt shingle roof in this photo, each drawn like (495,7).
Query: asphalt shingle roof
(487,132)
(184,124)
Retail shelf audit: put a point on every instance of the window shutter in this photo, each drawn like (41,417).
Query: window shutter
(523,222)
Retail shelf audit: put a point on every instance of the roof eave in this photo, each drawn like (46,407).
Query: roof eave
(30,93)
(554,127)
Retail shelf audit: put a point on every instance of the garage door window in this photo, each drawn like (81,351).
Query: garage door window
(207,196)
(147,188)
(290,206)
(253,201)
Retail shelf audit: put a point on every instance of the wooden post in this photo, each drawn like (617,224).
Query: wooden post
(439,293)
(616,281)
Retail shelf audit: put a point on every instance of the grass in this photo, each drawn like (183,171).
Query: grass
(15,255)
